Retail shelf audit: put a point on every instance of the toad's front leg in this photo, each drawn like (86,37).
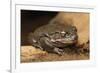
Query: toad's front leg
(36,44)
(58,51)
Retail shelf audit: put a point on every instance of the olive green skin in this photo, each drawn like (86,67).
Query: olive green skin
(54,37)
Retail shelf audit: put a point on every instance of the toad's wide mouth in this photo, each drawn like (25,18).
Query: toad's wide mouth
(63,42)
(68,40)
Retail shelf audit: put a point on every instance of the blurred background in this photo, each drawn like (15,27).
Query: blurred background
(31,20)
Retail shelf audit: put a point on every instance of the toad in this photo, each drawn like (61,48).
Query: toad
(54,37)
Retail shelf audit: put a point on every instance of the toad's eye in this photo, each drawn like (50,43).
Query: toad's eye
(67,33)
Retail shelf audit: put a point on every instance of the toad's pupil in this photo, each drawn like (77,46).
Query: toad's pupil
(66,34)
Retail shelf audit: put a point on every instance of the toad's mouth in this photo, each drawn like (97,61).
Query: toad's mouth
(69,40)
(63,42)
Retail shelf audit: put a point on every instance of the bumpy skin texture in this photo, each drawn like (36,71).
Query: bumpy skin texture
(53,37)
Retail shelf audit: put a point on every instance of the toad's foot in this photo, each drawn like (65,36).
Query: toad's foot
(59,51)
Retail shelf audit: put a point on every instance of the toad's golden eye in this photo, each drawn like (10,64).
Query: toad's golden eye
(67,33)
(63,34)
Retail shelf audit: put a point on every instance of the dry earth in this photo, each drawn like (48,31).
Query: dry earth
(30,54)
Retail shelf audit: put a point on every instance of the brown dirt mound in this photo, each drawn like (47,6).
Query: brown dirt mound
(31,54)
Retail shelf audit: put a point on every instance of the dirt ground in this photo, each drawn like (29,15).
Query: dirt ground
(31,54)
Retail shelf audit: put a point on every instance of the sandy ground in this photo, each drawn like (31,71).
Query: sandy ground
(31,54)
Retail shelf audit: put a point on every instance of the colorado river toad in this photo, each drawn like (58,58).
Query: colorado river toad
(54,37)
